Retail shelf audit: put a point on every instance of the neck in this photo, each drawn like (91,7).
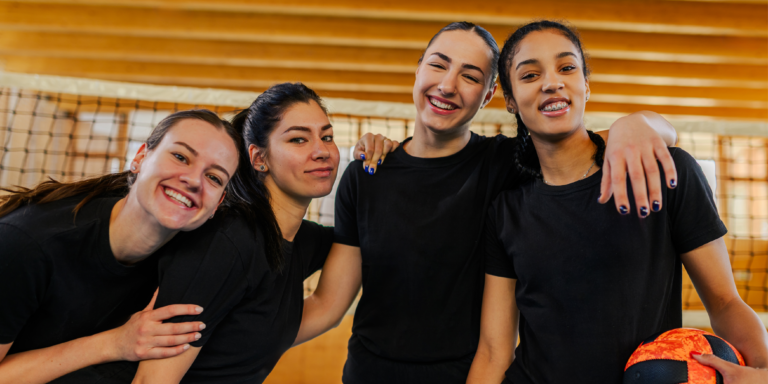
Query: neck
(565,160)
(289,210)
(430,144)
(133,233)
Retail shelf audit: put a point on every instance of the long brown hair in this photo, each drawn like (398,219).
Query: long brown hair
(115,183)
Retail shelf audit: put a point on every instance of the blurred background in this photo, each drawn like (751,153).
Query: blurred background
(83,81)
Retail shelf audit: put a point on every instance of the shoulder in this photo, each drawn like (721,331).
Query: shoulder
(682,157)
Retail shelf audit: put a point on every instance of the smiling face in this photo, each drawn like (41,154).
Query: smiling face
(548,84)
(453,81)
(181,181)
(302,159)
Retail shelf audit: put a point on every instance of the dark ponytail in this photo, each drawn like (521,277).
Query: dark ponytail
(112,184)
(256,124)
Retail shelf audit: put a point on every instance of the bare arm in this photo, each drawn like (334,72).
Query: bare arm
(142,337)
(339,283)
(731,318)
(170,370)
(498,331)
(635,144)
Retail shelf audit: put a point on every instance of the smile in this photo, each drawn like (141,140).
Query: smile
(178,197)
(443,105)
(555,106)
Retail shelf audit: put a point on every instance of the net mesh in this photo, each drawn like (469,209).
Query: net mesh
(69,136)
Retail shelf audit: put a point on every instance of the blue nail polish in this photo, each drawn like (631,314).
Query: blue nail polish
(656,206)
(366,168)
(623,210)
(370,170)
(643,212)
(379,162)
(362,156)
(673,183)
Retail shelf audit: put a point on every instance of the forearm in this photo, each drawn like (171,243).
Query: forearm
(489,367)
(658,124)
(46,364)
(166,371)
(740,325)
(319,317)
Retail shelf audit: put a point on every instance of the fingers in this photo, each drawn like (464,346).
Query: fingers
(605,185)
(179,328)
(636,171)
(373,161)
(668,164)
(653,179)
(389,146)
(364,149)
(176,340)
(174,310)
(713,361)
(151,304)
(161,353)
(619,185)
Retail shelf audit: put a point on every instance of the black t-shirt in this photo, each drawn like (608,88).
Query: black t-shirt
(418,223)
(59,280)
(252,315)
(592,284)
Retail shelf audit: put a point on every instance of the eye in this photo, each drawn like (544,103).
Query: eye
(436,65)
(179,157)
(528,76)
(298,140)
(215,179)
(472,78)
(328,138)
(568,68)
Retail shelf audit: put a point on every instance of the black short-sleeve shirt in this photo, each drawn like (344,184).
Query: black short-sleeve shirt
(252,314)
(418,223)
(592,284)
(59,279)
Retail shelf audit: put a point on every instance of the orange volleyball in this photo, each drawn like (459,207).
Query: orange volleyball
(665,358)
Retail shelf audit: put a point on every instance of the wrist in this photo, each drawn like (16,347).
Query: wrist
(106,343)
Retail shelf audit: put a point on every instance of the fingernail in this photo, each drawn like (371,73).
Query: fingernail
(366,168)
(673,183)
(199,309)
(186,346)
(379,162)
(362,156)
(656,206)
(695,353)
(198,336)
(623,210)
(202,326)
(370,170)
(643,211)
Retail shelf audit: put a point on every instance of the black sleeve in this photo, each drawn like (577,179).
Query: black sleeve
(317,241)
(345,218)
(497,261)
(205,271)
(691,208)
(24,275)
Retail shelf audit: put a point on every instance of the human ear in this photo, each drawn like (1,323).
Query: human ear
(489,95)
(139,158)
(511,104)
(586,83)
(257,158)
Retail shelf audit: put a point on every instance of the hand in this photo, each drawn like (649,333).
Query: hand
(373,149)
(145,336)
(733,373)
(633,147)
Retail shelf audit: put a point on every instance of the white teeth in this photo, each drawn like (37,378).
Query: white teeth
(555,106)
(178,197)
(441,105)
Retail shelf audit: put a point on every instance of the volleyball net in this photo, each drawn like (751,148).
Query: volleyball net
(69,128)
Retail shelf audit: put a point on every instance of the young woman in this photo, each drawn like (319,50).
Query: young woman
(253,292)
(74,257)
(584,285)
(411,233)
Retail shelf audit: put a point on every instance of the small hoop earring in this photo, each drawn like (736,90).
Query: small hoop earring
(133,168)
(262,168)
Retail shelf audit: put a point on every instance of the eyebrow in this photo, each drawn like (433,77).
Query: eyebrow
(534,61)
(467,66)
(194,152)
(305,129)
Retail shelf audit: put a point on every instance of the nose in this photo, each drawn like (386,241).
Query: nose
(192,179)
(551,83)
(320,150)
(447,84)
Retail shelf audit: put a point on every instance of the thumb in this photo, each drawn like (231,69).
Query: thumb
(151,304)
(713,361)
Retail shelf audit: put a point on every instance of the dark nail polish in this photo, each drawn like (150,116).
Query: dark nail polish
(379,162)
(366,168)
(362,156)
(370,170)
(623,210)
(673,183)
(643,211)
(656,206)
